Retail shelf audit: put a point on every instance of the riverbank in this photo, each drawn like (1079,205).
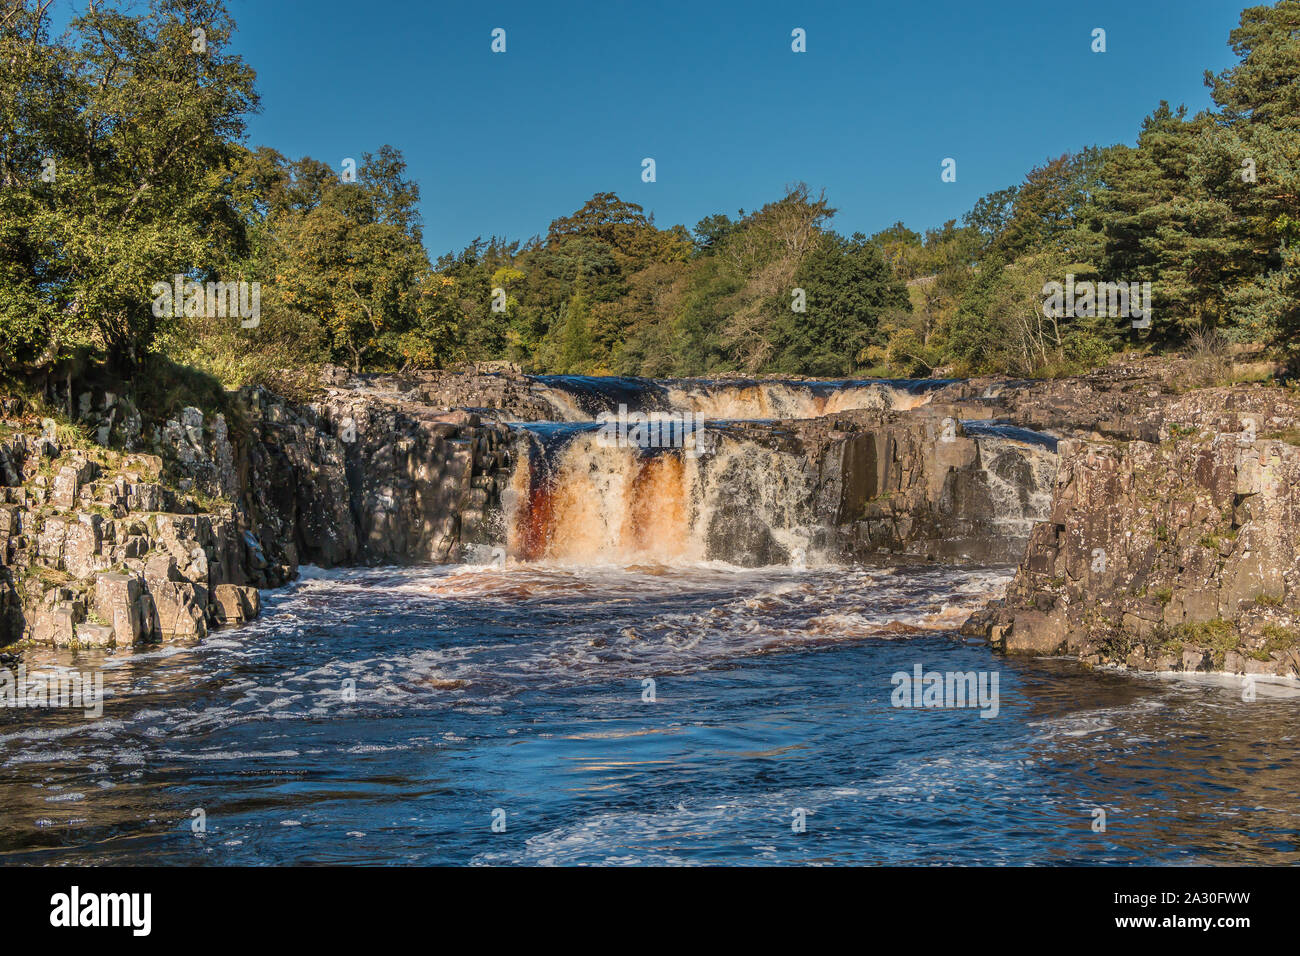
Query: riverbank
(1153,526)
(679,715)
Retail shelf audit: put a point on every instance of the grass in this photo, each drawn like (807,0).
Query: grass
(1279,638)
(1217,636)
(166,387)
(36,580)
(1116,644)
(1290,436)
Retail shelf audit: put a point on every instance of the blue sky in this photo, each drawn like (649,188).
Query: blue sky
(503,143)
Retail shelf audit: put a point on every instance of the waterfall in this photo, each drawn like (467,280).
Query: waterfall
(572,498)
(578,398)
(637,472)
(1019,470)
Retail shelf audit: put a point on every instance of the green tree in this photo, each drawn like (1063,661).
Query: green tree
(354,259)
(140,132)
(1161,227)
(848,286)
(1250,163)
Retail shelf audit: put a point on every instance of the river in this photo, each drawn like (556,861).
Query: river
(393,715)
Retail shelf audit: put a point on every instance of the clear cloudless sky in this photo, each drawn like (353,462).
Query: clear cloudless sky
(501,144)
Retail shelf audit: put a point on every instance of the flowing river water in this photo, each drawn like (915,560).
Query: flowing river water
(605,690)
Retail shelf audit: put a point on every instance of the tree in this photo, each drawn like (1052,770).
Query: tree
(1249,164)
(138,138)
(711,230)
(991,215)
(353,257)
(1161,227)
(848,286)
(1052,208)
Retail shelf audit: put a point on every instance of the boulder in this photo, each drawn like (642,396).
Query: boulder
(95,635)
(49,542)
(56,625)
(236,604)
(82,545)
(117,602)
(179,609)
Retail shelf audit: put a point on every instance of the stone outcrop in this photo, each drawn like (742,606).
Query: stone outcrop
(102,547)
(366,477)
(492,390)
(1173,546)
(934,489)
(921,485)
(1152,526)
(235,604)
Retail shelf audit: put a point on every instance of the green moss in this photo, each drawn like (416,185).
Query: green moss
(1217,636)
(1279,638)
(35,581)
(1115,644)
(1289,435)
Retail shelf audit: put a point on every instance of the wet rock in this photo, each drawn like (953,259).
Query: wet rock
(179,610)
(117,603)
(738,535)
(235,604)
(1187,548)
(95,635)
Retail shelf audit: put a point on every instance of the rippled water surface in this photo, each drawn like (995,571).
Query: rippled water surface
(382,716)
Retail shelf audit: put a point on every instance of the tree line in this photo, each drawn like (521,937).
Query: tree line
(123,163)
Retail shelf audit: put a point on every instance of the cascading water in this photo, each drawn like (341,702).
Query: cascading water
(1019,468)
(628,695)
(577,497)
(573,498)
(577,398)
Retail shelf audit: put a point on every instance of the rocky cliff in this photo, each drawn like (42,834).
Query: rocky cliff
(102,546)
(1152,526)
(1172,545)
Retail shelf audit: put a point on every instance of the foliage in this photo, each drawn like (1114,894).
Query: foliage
(152,180)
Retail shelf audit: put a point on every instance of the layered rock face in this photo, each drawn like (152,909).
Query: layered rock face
(1152,527)
(1177,553)
(863,485)
(368,476)
(931,484)
(100,547)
